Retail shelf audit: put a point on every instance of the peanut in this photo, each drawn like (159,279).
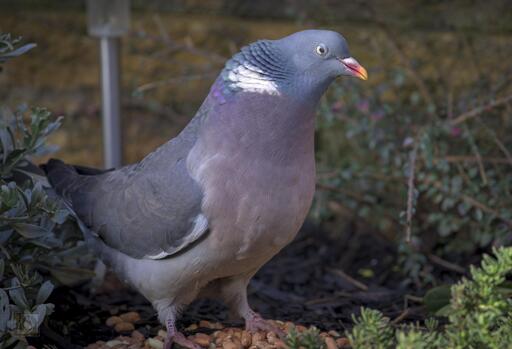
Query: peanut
(330,343)
(113,320)
(124,327)
(132,317)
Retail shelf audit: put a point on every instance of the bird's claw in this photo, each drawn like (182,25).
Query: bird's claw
(256,323)
(181,340)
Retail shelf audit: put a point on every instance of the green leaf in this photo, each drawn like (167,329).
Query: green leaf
(444,311)
(71,276)
(44,292)
(60,216)
(17,52)
(41,311)
(17,295)
(30,231)
(437,298)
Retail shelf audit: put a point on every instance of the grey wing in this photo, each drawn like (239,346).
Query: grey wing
(153,215)
(148,210)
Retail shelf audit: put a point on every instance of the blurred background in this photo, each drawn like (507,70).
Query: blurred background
(175,49)
(437,106)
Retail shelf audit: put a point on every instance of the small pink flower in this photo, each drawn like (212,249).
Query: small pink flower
(455,131)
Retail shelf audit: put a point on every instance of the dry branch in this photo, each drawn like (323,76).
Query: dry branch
(479,110)
(349,279)
(445,264)
(466,158)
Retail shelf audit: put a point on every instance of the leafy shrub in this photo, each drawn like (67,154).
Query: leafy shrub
(372,330)
(308,339)
(35,241)
(430,172)
(479,316)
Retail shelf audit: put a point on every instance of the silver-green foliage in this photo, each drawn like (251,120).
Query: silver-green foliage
(10,48)
(36,241)
(480,315)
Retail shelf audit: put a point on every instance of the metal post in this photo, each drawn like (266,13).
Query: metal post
(108,20)
(110,81)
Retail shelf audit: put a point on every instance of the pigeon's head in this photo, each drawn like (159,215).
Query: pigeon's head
(301,64)
(319,54)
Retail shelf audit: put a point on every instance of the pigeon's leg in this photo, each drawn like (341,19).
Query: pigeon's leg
(234,293)
(169,315)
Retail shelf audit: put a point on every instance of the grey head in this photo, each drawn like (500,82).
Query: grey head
(301,65)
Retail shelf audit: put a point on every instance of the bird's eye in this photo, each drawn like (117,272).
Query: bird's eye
(321,50)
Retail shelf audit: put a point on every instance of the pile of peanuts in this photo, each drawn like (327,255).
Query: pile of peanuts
(221,337)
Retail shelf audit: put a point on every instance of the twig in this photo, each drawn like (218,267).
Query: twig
(410,191)
(349,279)
(466,158)
(400,317)
(485,208)
(445,264)
(416,299)
(479,110)
(474,147)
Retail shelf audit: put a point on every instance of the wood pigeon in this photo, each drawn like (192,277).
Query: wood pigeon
(201,214)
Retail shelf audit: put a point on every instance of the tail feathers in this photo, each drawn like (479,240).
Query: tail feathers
(66,180)
(60,175)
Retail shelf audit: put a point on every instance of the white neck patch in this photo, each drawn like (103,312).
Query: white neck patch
(249,78)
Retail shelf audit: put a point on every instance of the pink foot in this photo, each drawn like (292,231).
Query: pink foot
(181,340)
(254,323)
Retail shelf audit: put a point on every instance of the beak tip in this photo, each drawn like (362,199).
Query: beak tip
(362,73)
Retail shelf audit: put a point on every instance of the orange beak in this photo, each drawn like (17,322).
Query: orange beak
(355,68)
